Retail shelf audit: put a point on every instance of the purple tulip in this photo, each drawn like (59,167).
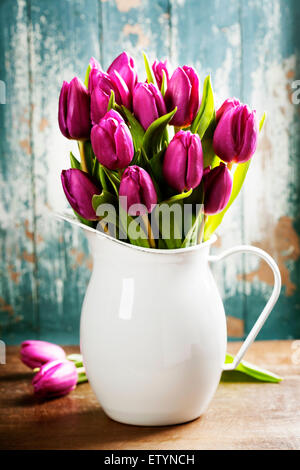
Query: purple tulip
(148,103)
(112,142)
(100,86)
(183,92)
(124,65)
(35,353)
(235,137)
(228,104)
(94,64)
(158,69)
(137,192)
(79,190)
(183,161)
(217,188)
(74,110)
(54,379)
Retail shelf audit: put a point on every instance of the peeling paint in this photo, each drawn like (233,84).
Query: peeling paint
(6,307)
(25,145)
(235,327)
(285,248)
(29,257)
(126,5)
(43,124)
(136,29)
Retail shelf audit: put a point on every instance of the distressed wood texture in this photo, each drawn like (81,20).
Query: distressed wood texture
(251,49)
(244,414)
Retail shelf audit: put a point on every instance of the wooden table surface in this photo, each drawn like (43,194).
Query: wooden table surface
(244,414)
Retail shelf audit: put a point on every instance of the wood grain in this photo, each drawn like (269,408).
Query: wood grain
(244,414)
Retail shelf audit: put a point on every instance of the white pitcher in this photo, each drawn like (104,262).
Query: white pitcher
(153,330)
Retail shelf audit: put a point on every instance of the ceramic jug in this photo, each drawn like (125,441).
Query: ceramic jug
(153,329)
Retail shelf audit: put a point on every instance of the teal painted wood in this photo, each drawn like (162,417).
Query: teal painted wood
(251,50)
(18,287)
(270,49)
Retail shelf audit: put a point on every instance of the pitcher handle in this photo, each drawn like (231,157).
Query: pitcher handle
(270,304)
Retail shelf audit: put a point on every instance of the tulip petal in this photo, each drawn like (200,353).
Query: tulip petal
(78,113)
(223,141)
(178,94)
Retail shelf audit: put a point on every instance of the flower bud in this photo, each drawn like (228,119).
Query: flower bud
(236,134)
(79,190)
(54,379)
(138,188)
(101,85)
(228,104)
(124,65)
(74,110)
(158,69)
(183,92)
(217,188)
(148,103)
(183,161)
(112,142)
(35,353)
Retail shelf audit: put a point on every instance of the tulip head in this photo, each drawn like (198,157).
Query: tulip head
(74,110)
(158,69)
(183,161)
(54,379)
(217,188)
(138,189)
(148,103)
(228,104)
(35,353)
(79,190)
(101,85)
(236,134)
(124,65)
(183,92)
(112,142)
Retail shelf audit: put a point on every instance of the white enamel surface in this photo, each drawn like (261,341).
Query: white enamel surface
(153,331)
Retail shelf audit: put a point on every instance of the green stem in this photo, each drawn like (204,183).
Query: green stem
(82,155)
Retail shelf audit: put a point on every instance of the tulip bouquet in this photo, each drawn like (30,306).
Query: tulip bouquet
(159,165)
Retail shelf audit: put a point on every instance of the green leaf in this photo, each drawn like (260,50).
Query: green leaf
(87,74)
(239,176)
(125,220)
(191,238)
(154,135)
(113,179)
(89,223)
(111,102)
(104,198)
(137,131)
(163,83)
(149,73)
(74,162)
(254,371)
(178,197)
(207,110)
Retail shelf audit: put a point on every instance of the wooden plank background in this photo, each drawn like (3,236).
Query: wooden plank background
(251,50)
